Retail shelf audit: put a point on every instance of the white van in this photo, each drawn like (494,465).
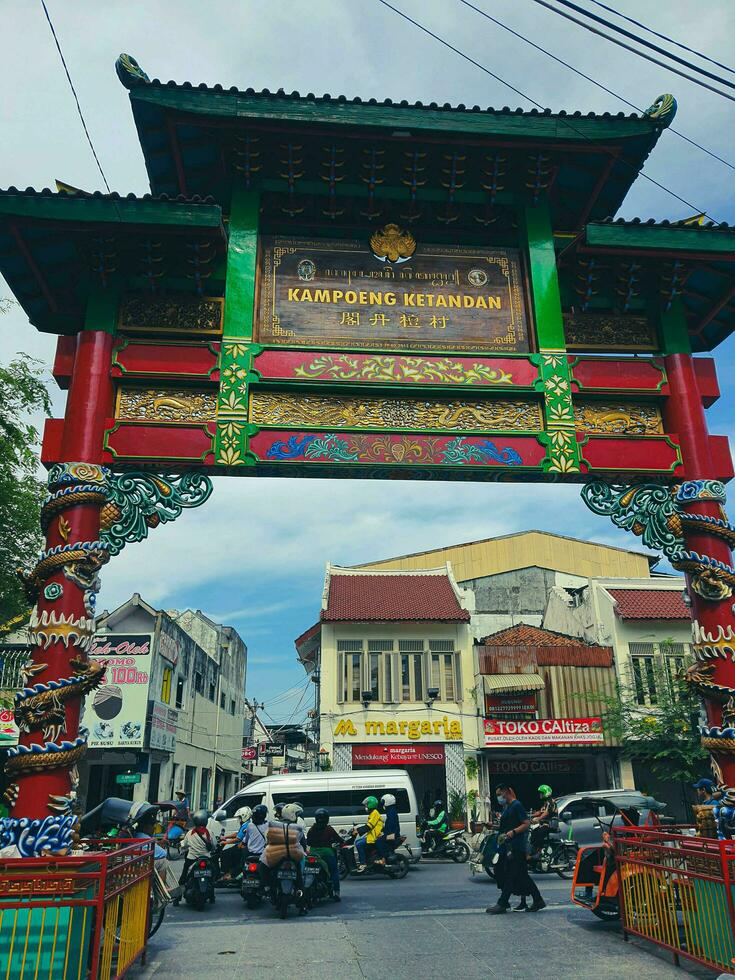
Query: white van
(341,793)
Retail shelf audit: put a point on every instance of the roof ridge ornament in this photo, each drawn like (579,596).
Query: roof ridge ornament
(129,72)
(663,110)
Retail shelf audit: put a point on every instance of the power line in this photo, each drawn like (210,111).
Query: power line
(664,37)
(648,44)
(593,81)
(76,97)
(629,47)
(561,120)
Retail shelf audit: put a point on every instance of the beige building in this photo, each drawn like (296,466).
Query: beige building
(393,656)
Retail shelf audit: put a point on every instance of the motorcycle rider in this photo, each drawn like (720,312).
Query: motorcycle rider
(546,816)
(197,843)
(232,857)
(374,830)
(392,829)
(143,820)
(436,825)
(254,841)
(320,839)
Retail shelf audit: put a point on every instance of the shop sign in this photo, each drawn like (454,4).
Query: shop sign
(415,729)
(534,767)
(164,721)
(343,293)
(273,750)
(397,755)
(249,753)
(168,648)
(127,778)
(115,714)
(544,731)
(8,728)
(512,703)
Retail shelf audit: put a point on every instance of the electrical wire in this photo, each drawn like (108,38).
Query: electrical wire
(648,44)
(664,37)
(76,97)
(629,47)
(563,121)
(593,81)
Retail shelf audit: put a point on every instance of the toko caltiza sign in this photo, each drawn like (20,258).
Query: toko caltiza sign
(544,731)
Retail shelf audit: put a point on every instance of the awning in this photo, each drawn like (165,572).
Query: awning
(497,683)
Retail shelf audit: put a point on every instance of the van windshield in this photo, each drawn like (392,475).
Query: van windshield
(340,802)
(242,799)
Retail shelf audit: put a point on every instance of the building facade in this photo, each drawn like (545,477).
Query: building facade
(393,656)
(169,714)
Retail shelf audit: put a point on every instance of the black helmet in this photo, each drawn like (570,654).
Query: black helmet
(200,818)
(260,812)
(277,810)
(321,817)
(438,804)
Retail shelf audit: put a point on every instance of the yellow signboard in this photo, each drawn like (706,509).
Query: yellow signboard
(412,728)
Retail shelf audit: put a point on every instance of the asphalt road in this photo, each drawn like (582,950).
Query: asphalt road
(431,924)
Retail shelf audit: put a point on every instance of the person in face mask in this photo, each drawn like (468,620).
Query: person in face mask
(514,823)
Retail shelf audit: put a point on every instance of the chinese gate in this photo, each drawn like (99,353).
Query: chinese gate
(317,287)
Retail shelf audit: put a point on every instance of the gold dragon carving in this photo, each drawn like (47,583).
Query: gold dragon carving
(618,419)
(166,405)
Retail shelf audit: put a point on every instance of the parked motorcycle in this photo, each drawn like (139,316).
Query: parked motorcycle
(557,854)
(483,848)
(115,819)
(199,883)
(452,845)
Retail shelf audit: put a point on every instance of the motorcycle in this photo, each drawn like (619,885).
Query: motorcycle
(110,820)
(452,845)
(288,887)
(251,886)
(484,847)
(556,854)
(199,883)
(396,864)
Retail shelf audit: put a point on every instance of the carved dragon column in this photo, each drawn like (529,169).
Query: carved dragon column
(88,516)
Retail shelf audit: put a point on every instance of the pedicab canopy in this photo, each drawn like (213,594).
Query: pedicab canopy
(324,286)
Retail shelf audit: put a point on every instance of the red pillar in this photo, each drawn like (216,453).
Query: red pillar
(61,625)
(711,599)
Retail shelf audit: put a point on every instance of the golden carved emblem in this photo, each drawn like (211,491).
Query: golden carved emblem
(166,405)
(392,244)
(624,418)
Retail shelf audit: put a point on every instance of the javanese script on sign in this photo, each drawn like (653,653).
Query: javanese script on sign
(545,731)
(325,291)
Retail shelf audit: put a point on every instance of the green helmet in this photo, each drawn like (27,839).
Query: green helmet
(370,802)
(545,791)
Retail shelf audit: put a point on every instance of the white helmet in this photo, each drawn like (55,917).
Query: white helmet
(388,800)
(243,814)
(291,812)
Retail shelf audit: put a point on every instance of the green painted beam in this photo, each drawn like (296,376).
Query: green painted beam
(661,238)
(102,308)
(490,122)
(543,275)
(673,329)
(321,189)
(242,252)
(66,207)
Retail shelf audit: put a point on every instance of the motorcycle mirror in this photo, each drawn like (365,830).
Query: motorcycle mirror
(219,815)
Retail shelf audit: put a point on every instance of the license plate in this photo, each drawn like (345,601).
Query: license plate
(251,883)
(202,874)
(287,874)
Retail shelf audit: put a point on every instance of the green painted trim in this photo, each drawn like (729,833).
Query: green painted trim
(102,308)
(65,207)
(289,110)
(661,237)
(242,252)
(536,220)
(673,329)
(319,188)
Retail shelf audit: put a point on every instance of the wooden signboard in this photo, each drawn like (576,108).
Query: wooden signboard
(339,293)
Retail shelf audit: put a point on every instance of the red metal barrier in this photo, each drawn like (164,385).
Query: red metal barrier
(83,917)
(676,890)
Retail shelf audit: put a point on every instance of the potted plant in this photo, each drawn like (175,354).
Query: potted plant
(457,810)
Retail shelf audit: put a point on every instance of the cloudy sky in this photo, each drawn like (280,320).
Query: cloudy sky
(254,556)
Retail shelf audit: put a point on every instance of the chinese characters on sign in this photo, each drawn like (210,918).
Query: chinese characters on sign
(338,293)
(545,731)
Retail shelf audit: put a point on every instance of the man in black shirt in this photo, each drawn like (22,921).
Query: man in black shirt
(514,823)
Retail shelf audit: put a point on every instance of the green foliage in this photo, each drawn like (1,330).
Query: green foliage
(22,392)
(472,797)
(470,765)
(663,735)
(457,805)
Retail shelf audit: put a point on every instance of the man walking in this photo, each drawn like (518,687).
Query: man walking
(514,877)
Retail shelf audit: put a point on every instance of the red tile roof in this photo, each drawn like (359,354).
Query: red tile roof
(530,647)
(650,604)
(403,597)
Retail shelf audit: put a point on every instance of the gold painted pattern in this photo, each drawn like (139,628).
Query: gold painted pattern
(166,405)
(621,418)
(608,331)
(393,413)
